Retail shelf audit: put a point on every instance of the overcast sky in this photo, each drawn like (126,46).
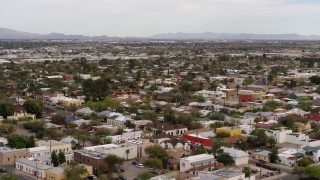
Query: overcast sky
(148,17)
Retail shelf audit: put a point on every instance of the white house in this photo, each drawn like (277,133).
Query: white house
(283,135)
(247,128)
(117,149)
(191,163)
(133,135)
(288,156)
(211,94)
(39,151)
(240,157)
(31,167)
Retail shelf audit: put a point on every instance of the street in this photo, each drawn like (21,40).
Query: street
(10,170)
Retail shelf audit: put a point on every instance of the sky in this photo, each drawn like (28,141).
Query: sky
(148,17)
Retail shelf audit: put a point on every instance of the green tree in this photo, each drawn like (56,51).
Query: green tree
(261,137)
(247,81)
(33,106)
(273,156)
(61,157)
(6,109)
(156,151)
(127,152)
(299,171)
(20,141)
(112,160)
(272,142)
(216,146)
(145,175)
(155,163)
(247,171)
(129,124)
(174,142)
(54,159)
(216,125)
(58,119)
(74,171)
(305,161)
(8,176)
(225,158)
(315,79)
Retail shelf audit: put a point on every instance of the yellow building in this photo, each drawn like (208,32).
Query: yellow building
(57,146)
(57,173)
(263,155)
(231,131)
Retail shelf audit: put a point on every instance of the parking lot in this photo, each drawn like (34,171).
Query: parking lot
(131,171)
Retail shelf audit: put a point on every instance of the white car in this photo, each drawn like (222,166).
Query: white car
(140,166)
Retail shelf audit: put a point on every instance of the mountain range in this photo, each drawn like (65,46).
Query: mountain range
(13,34)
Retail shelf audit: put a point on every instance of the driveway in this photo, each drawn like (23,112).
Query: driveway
(131,171)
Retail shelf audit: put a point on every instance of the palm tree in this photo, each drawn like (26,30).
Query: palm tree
(127,152)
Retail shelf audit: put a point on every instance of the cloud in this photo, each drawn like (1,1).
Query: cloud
(147,17)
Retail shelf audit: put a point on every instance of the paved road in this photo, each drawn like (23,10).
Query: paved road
(131,171)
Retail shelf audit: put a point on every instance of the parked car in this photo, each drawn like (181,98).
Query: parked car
(134,162)
(265,175)
(140,166)
(270,173)
(152,170)
(3,170)
(262,161)
(255,170)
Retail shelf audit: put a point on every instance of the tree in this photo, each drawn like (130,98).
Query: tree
(33,107)
(6,109)
(225,158)
(54,159)
(145,175)
(127,152)
(19,141)
(315,79)
(129,124)
(298,171)
(272,142)
(305,161)
(74,171)
(155,163)
(156,151)
(273,156)
(120,131)
(247,81)
(216,146)
(216,125)
(261,137)
(58,119)
(112,160)
(247,171)
(174,142)
(8,176)
(61,157)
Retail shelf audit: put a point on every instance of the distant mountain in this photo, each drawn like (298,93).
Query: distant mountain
(13,34)
(220,36)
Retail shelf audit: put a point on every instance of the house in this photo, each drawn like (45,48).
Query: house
(57,173)
(91,158)
(223,174)
(133,135)
(39,151)
(66,101)
(162,128)
(85,111)
(32,168)
(118,149)
(262,155)
(231,131)
(118,119)
(203,138)
(211,94)
(289,156)
(194,163)
(248,129)
(9,155)
(20,112)
(120,92)
(57,146)
(141,145)
(312,117)
(283,135)
(312,151)
(73,141)
(240,157)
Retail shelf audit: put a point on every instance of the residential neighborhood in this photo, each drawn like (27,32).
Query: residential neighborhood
(159,110)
